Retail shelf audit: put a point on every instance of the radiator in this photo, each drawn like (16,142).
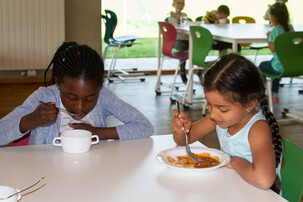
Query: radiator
(30,33)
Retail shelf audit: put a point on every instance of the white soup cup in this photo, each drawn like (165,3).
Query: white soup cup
(76,141)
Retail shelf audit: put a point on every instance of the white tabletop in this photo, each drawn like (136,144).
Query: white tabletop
(119,171)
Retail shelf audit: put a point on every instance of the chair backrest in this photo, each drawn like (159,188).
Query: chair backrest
(289,49)
(199,18)
(169,36)
(202,43)
(292,172)
(111,21)
(244,19)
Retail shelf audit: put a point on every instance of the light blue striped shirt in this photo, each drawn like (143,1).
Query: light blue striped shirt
(135,126)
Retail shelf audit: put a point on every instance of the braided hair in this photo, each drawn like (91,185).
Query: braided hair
(279,10)
(239,80)
(75,61)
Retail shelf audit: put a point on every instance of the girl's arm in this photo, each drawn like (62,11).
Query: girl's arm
(195,131)
(262,172)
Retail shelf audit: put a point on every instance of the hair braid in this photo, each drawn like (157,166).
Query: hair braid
(274,127)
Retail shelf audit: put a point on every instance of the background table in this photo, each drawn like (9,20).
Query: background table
(232,33)
(119,171)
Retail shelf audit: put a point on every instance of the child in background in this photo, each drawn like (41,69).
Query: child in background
(267,13)
(77,86)
(219,16)
(181,43)
(280,22)
(233,87)
(214,17)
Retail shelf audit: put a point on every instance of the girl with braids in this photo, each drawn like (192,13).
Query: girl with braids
(234,88)
(280,22)
(76,85)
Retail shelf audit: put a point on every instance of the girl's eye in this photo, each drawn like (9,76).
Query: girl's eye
(223,111)
(90,99)
(71,98)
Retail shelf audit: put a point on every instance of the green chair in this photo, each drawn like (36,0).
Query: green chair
(289,49)
(292,172)
(202,41)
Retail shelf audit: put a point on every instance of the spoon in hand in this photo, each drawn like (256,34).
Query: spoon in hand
(63,110)
(189,153)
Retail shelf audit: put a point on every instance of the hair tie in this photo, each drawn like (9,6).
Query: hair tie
(68,48)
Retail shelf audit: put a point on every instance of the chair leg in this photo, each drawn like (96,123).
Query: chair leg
(159,72)
(269,84)
(110,71)
(256,56)
(105,53)
(189,82)
(204,108)
(116,57)
(174,80)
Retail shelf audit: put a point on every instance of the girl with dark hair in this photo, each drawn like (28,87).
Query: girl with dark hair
(280,22)
(76,85)
(234,88)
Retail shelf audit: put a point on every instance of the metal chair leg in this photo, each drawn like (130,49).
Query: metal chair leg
(174,80)
(159,72)
(269,84)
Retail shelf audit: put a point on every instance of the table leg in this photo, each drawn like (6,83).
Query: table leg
(159,61)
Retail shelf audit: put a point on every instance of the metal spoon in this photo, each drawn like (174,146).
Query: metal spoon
(62,109)
(189,153)
(22,190)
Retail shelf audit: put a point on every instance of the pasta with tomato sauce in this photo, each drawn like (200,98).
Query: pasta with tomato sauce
(205,160)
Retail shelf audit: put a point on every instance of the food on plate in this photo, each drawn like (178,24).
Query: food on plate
(205,160)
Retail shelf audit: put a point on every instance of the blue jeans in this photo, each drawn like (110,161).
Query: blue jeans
(275,84)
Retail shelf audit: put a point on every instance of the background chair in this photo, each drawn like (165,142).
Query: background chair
(289,49)
(23,141)
(169,36)
(202,41)
(257,47)
(291,173)
(199,18)
(111,21)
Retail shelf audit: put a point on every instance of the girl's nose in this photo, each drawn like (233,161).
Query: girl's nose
(79,107)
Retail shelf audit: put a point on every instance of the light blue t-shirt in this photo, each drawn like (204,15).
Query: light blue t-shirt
(276,31)
(238,144)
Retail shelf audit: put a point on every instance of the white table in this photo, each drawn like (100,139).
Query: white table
(232,33)
(119,171)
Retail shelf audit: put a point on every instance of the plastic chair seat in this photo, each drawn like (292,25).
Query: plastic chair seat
(180,55)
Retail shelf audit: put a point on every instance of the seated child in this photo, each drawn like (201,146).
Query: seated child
(219,16)
(238,112)
(267,12)
(76,85)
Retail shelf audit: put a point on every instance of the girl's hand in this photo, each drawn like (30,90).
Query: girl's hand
(180,122)
(83,126)
(45,114)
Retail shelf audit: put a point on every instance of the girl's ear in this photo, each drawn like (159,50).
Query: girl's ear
(252,105)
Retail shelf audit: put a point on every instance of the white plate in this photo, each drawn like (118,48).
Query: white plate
(180,151)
